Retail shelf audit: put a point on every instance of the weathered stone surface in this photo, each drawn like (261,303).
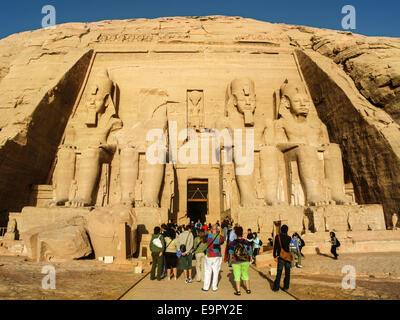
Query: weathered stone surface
(67,87)
(113,231)
(62,241)
(372,63)
(368,137)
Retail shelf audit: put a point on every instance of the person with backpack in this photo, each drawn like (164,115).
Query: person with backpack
(213,258)
(335,244)
(295,250)
(301,245)
(170,254)
(157,246)
(185,245)
(257,243)
(241,250)
(283,257)
(199,246)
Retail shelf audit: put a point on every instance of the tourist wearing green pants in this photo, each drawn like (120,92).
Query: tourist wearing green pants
(241,251)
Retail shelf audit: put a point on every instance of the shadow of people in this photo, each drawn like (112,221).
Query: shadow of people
(262,275)
(318,251)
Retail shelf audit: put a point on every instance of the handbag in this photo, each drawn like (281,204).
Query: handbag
(287,256)
(182,247)
(157,242)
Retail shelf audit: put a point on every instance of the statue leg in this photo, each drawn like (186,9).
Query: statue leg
(152,179)
(309,169)
(129,167)
(334,173)
(269,157)
(63,175)
(247,190)
(89,169)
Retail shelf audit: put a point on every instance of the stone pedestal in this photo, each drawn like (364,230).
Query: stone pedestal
(148,218)
(353,242)
(267,219)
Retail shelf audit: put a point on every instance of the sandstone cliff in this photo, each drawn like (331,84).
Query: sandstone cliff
(42,71)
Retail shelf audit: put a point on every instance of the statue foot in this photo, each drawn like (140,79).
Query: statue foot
(317,201)
(253,203)
(344,201)
(150,204)
(128,202)
(78,203)
(56,203)
(276,202)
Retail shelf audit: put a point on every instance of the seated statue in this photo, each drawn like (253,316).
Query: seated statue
(304,135)
(239,114)
(92,138)
(152,118)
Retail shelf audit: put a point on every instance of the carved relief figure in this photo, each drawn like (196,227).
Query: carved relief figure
(195,109)
(239,114)
(93,139)
(395,219)
(305,136)
(11,229)
(227,190)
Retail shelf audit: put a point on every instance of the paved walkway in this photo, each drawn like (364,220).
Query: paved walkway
(179,290)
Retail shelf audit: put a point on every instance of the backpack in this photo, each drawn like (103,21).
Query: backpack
(240,253)
(337,243)
(157,242)
(302,243)
(260,243)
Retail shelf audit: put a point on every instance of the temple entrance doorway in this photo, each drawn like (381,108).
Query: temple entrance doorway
(197,200)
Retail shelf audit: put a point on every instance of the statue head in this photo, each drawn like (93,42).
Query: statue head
(241,93)
(98,95)
(295,98)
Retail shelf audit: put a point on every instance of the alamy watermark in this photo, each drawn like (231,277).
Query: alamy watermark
(240,148)
(49,281)
(349,280)
(49,20)
(349,20)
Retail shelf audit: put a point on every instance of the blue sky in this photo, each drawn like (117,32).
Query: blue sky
(374,17)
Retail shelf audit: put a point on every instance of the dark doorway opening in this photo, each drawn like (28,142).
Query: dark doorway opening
(197,197)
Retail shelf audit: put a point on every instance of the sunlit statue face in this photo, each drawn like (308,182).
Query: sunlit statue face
(97,98)
(244,95)
(300,104)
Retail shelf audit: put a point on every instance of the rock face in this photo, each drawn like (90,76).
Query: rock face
(372,63)
(95,90)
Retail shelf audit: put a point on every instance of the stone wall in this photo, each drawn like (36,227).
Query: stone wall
(368,136)
(28,146)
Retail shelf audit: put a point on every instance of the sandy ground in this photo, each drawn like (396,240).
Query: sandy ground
(377,277)
(76,280)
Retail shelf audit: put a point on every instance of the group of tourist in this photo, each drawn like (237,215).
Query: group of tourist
(171,245)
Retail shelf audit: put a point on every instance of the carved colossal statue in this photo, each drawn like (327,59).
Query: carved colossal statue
(239,114)
(92,138)
(269,159)
(152,123)
(305,135)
